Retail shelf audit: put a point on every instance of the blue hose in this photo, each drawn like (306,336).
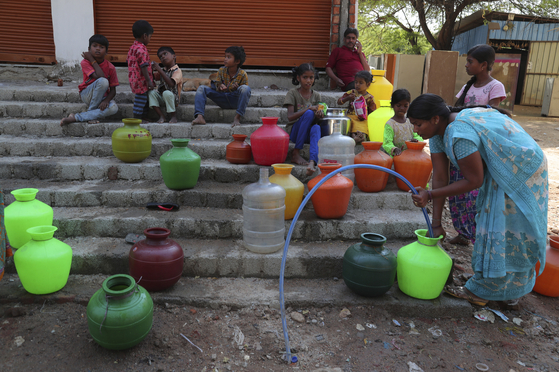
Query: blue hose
(290,232)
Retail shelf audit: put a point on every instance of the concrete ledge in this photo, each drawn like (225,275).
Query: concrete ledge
(206,194)
(241,293)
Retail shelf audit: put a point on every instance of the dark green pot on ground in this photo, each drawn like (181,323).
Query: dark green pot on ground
(131,143)
(369,268)
(180,166)
(120,314)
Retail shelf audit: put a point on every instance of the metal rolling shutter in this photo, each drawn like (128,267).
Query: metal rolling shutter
(27,34)
(272,32)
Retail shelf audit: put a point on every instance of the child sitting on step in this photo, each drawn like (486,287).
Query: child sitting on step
(170,87)
(359,130)
(229,91)
(398,129)
(98,89)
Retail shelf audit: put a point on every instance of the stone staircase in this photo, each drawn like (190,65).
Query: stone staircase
(98,199)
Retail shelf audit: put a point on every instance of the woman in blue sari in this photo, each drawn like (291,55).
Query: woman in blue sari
(497,156)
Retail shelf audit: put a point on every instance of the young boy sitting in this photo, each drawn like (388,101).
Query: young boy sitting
(99,84)
(170,87)
(229,91)
(139,67)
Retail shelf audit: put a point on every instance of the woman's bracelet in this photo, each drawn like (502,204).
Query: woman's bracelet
(436,219)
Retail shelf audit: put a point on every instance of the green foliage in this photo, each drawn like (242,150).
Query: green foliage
(379,39)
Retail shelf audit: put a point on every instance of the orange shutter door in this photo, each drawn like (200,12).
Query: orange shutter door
(26,32)
(272,32)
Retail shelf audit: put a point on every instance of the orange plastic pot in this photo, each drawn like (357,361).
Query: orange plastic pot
(414,165)
(238,151)
(547,284)
(332,197)
(369,180)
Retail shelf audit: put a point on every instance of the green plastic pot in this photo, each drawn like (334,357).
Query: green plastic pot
(180,166)
(131,143)
(368,267)
(423,267)
(43,263)
(120,314)
(23,213)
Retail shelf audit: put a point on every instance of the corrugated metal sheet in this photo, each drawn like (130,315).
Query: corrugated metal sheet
(27,34)
(272,32)
(544,62)
(463,42)
(527,31)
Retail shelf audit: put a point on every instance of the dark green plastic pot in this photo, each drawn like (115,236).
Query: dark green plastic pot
(180,166)
(369,269)
(128,317)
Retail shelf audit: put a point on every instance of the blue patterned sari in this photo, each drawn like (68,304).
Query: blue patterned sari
(511,220)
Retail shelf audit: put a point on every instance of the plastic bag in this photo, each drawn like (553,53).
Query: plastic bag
(360,106)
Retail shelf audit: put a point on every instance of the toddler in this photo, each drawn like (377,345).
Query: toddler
(359,127)
(170,87)
(398,129)
(139,67)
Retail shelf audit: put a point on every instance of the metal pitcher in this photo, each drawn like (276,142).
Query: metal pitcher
(336,115)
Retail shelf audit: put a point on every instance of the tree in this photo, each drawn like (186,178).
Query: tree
(436,18)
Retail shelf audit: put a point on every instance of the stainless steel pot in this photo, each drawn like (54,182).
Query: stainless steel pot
(336,115)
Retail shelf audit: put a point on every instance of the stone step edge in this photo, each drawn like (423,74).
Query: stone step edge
(238,293)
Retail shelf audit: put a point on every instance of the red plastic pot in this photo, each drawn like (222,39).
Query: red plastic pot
(269,143)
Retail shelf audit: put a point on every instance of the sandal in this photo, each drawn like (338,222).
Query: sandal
(460,292)
(509,304)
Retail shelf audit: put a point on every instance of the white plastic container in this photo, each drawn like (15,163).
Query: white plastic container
(264,215)
(337,148)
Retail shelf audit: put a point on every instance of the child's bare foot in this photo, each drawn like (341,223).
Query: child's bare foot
(237,121)
(93,122)
(311,168)
(199,120)
(70,119)
(296,158)
(173,119)
(161,120)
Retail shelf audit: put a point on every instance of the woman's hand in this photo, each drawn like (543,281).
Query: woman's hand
(438,231)
(421,198)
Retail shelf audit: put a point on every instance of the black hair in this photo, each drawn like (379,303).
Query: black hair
(429,105)
(300,70)
(350,30)
(365,75)
(238,53)
(165,48)
(99,39)
(400,95)
(141,27)
(482,53)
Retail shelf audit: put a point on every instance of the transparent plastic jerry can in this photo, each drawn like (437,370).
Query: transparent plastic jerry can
(264,215)
(337,148)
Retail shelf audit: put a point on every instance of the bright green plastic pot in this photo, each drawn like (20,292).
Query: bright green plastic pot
(43,263)
(423,267)
(131,143)
(23,213)
(368,267)
(180,166)
(120,314)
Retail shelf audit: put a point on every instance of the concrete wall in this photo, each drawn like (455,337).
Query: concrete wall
(72,22)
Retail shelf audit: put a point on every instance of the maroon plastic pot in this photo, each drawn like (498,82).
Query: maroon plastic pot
(158,261)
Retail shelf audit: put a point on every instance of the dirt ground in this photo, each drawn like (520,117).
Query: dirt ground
(56,338)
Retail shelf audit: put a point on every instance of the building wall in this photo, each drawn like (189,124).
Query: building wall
(72,22)
(344,15)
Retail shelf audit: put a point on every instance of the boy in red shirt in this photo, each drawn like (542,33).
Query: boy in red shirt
(99,84)
(140,74)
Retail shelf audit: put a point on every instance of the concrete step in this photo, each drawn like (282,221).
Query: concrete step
(42,93)
(219,258)
(238,293)
(206,194)
(102,147)
(214,223)
(183,129)
(185,113)
(94,168)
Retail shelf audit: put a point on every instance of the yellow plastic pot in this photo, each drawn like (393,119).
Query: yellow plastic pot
(294,188)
